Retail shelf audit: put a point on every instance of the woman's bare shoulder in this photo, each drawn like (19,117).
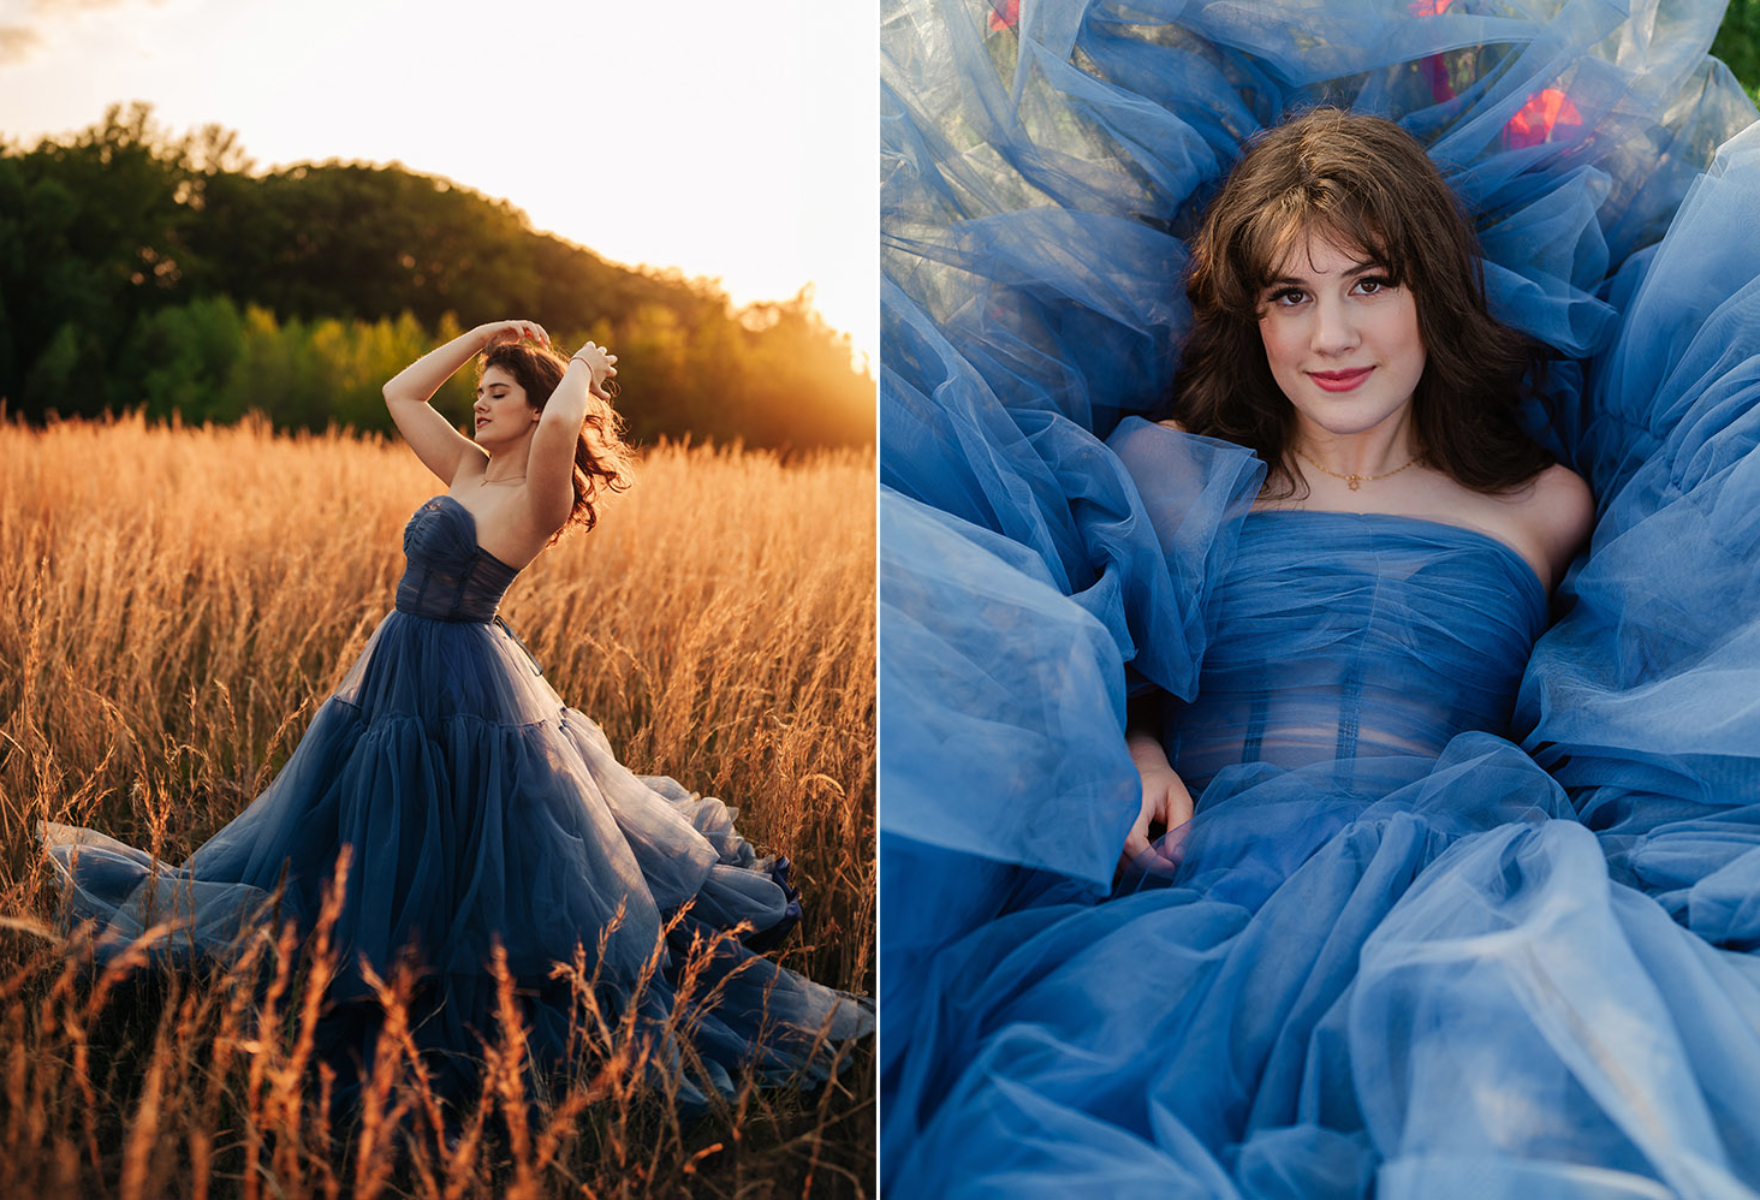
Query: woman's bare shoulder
(1558,510)
(1172,424)
(1561,500)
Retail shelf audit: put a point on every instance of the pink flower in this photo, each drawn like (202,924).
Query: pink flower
(1544,118)
(1004,14)
(1428,8)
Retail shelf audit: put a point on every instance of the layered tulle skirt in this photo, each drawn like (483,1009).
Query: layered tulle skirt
(1437,993)
(483,819)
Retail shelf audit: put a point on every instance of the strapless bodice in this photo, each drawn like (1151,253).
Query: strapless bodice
(448,577)
(1340,637)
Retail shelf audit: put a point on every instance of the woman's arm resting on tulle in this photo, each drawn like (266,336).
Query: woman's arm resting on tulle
(550,468)
(441,447)
(1166,802)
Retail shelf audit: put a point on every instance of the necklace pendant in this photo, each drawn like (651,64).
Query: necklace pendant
(1356,481)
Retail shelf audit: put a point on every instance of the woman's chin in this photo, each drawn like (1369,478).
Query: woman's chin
(502,435)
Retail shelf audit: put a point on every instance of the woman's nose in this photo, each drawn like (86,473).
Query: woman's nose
(1334,331)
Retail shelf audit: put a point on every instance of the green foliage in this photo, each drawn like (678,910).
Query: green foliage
(72,366)
(138,270)
(1738,43)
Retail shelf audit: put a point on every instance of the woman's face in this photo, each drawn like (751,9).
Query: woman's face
(1342,340)
(501,412)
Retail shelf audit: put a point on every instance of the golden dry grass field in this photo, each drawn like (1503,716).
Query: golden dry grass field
(179,601)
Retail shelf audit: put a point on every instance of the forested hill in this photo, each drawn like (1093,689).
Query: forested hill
(139,270)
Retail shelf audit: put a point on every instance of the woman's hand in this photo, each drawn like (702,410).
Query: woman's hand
(602,365)
(497,332)
(1166,802)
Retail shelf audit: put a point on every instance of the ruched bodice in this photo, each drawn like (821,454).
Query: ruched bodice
(1339,637)
(448,577)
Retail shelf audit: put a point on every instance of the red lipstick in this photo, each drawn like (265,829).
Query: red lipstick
(1340,381)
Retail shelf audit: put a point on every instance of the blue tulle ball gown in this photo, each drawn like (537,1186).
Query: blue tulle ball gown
(484,816)
(1469,903)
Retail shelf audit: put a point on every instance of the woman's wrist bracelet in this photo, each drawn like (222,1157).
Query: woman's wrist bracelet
(608,387)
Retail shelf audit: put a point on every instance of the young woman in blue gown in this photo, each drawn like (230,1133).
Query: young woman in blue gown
(481,815)
(1464,906)
(1341,335)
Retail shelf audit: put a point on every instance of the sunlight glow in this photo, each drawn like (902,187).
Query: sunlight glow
(734,141)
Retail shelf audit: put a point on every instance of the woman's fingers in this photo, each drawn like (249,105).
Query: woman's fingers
(1137,840)
(1134,845)
(1166,802)
(1175,815)
(1179,805)
(599,364)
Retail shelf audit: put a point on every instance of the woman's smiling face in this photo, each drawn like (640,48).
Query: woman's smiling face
(501,412)
(1341,339)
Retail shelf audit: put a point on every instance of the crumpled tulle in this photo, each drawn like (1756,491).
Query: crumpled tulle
(481,812)
(1644,699)
(1476,981)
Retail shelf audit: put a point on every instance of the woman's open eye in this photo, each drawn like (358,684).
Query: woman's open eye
(1372,284)
(1288,297)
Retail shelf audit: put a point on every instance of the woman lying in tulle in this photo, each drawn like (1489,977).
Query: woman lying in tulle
(1341,334)
(481,820)
(1371,948)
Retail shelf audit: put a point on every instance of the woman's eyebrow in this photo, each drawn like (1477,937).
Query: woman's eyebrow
(1359,269)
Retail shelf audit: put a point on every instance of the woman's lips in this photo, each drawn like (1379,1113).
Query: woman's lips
(1340,381)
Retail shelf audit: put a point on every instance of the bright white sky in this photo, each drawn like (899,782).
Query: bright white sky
(735,139)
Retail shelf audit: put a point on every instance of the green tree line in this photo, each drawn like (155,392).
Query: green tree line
(141,270)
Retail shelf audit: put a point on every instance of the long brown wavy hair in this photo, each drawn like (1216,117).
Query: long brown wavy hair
(1366,185)
(601,459)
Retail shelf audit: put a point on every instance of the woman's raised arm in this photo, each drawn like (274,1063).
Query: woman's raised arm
(550,467)
(441,447)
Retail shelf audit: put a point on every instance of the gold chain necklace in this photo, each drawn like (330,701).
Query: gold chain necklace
(1357,481)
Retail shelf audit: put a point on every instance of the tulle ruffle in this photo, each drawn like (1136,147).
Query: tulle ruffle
(483,816)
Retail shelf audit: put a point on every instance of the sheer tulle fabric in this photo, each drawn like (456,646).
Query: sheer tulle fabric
(479,809)
(1466,905)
